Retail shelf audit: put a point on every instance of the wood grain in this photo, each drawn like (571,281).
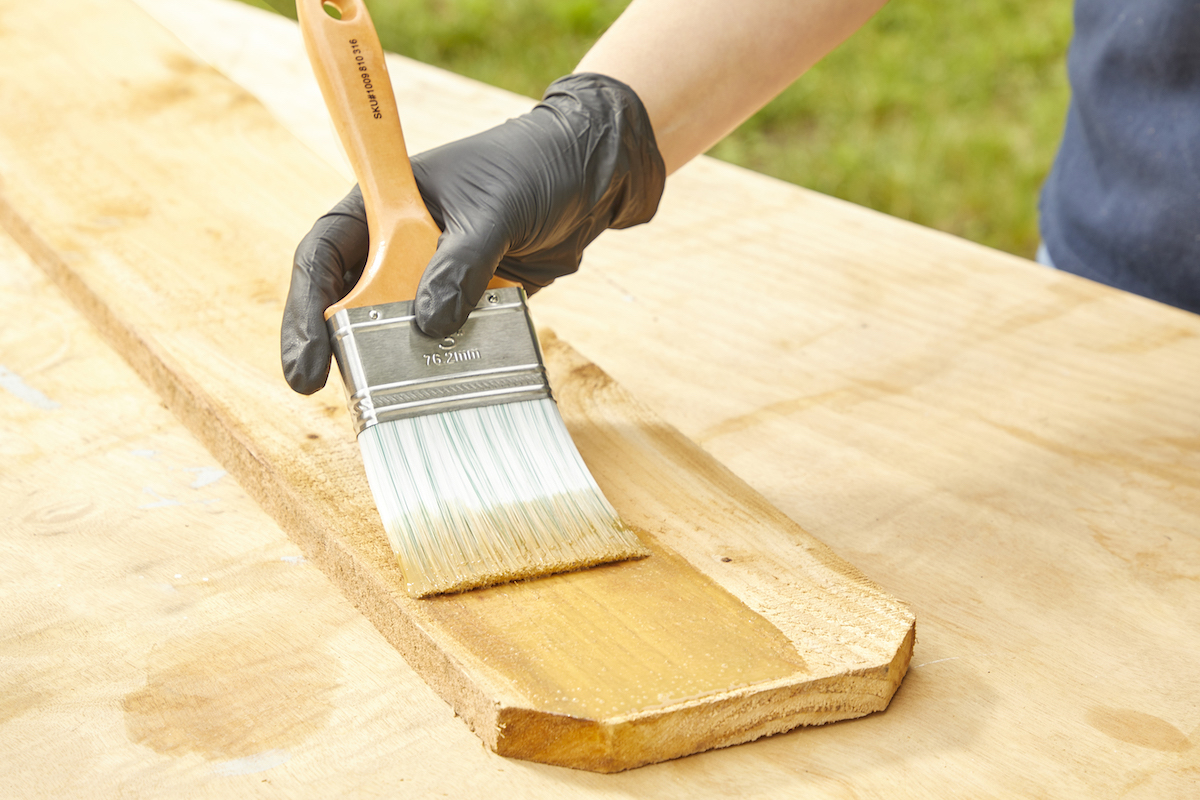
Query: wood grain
(164,201)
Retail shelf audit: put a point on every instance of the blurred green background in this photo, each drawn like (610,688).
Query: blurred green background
(947,114)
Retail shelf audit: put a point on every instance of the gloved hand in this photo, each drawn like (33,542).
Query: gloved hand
(521,200)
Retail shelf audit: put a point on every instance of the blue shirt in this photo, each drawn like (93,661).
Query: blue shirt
(1122,202)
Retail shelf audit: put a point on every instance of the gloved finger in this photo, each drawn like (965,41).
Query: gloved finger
(456,278)
(328,262)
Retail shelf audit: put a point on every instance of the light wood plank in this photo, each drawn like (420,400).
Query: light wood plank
(164,201)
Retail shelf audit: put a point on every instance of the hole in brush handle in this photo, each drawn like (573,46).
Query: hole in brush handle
(343,10)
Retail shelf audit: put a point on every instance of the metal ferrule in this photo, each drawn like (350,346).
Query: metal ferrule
(393,371)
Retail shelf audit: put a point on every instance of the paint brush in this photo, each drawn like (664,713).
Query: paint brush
(472,469)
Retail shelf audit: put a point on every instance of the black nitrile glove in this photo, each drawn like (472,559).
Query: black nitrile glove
(521,200)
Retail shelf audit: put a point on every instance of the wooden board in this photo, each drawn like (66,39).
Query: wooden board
(164,201)
(1055,575)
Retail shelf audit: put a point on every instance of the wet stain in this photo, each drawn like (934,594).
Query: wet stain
(1137,728)
(232,694)
(668,634)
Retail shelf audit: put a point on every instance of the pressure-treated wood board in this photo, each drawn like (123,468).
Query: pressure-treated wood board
(164,201)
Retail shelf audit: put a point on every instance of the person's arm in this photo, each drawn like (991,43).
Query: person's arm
(702,67)
(523,200)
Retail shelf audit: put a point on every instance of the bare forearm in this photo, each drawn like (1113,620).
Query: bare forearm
(701,67)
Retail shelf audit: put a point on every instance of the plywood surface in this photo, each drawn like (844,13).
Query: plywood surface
(155,234)
(1010,450)
(149,610)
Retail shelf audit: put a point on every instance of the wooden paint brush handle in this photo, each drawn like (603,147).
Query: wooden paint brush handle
(350,68)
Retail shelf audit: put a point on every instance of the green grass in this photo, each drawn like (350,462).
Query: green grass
(946,114)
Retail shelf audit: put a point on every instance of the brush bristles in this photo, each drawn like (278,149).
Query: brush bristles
(479,496)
